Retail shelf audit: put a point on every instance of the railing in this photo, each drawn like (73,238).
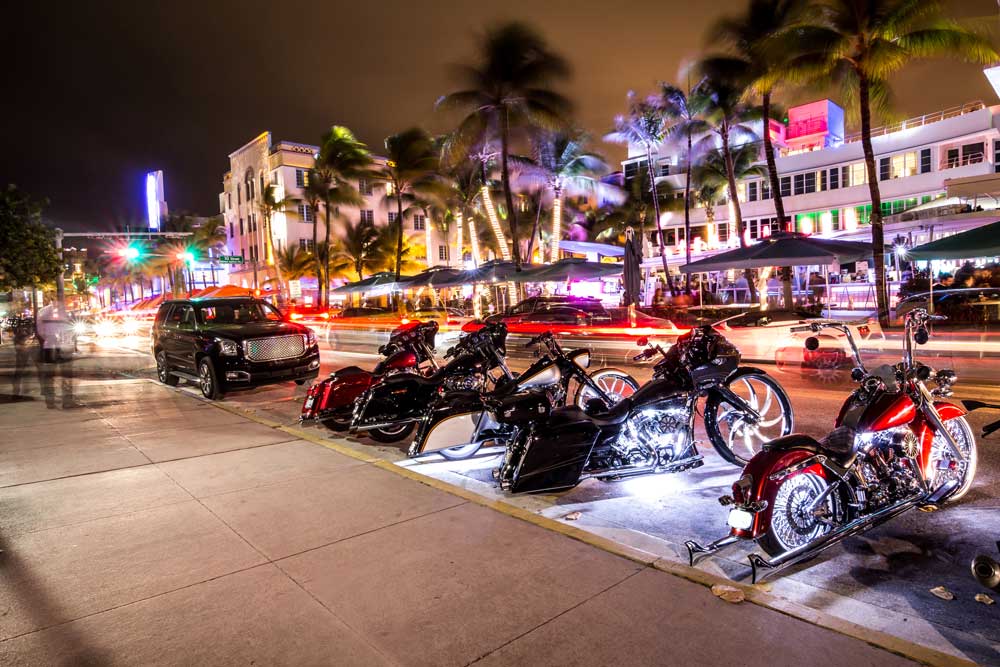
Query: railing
(971,158)
(919,121)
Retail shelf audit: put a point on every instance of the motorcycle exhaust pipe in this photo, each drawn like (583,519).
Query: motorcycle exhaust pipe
(781,561)
(987,571)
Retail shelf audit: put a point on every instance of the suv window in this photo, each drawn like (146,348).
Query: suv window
(181,318)
(239,312)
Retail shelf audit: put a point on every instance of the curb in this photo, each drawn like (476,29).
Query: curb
(753,594)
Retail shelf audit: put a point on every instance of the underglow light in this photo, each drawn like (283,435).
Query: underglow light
(458,241)
(851,219)
(491,213)
(556,226)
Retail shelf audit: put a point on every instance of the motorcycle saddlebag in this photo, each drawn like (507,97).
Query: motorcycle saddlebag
(396,399)
(555,452)
(336,394)
(523,407)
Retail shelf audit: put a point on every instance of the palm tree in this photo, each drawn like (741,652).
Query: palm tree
(860,46)
(341,162)
(506,90)
(293,263)
(644,126)
(728,118)
(711,178)
(636,207)
(759,47)
(682,112)
(312,197)
(355,250)
(563,167)
(411,177)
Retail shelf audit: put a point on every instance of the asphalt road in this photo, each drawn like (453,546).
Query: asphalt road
(881,579)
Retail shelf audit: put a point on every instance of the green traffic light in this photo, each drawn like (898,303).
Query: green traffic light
(130,252)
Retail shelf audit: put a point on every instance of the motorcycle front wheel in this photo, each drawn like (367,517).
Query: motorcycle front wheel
(392,433)
(943,465)
(734,434)
(613,382)
(794,523)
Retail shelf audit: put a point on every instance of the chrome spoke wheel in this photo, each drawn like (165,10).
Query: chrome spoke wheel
(616,384)
(794,520)
(746,433)
(944,467)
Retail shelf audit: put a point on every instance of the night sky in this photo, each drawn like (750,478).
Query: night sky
(97,93)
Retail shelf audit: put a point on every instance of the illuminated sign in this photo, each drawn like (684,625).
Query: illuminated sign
(156,205)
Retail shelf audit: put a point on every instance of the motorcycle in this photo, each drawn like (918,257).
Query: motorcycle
(410,349)
(460,422)
(894,447)
(389,410)
(651,431)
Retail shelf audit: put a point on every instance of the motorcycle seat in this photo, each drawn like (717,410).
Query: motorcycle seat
(837,445)
(612,416)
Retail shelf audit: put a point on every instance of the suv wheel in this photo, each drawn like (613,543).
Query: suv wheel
(163,370)
(207,380)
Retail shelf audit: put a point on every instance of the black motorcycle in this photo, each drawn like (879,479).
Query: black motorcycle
(653,430)
(460,422)
(390,409)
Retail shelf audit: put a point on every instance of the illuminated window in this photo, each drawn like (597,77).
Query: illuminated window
(904,164)
(857,174)
(301,178)
(741,192)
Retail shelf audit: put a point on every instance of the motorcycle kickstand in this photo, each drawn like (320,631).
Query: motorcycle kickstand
(696,550)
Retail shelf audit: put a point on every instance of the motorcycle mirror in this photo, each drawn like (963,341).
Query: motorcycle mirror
(920,336)
(642,342)
(923,373)
(857,374)
(812,343)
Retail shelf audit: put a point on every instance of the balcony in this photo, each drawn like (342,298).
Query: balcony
(919,121)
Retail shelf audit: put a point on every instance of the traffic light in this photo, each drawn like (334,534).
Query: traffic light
(130,252)
(186,256)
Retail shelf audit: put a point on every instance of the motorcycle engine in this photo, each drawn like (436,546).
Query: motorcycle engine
(473,382)
(662,429)
(887,468)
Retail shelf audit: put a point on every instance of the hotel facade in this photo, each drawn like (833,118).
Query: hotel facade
(285,164)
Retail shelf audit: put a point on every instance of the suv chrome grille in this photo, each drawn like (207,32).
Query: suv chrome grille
(278,347)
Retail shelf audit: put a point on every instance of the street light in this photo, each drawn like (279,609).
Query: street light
(186,256)
(129,252)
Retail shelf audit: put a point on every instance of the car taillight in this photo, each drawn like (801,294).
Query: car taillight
(864,330)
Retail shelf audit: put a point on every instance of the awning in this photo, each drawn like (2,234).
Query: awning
(569,269)
(376,285)
(979,242)
(783,249)
(586,247)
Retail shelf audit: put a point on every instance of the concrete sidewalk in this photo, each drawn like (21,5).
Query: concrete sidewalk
(145,526)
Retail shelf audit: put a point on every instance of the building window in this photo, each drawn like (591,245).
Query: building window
(904,164)
(752,191)
(306,244)
(723,232)
(925,161)
(231,234)
(765,190)
(392,216)
(368,216)
(305,213)
(800,184)
(631,170)
(884,169)
(822,180)
(810,182)
(419,223)
(301,178)
(973,153)
(855,174)
(834,178)
(229,200)
(443,253)
(754,229)
(239,196)
(364,186)
(241,227)
(786,186)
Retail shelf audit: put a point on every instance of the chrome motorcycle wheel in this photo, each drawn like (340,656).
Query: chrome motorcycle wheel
(943,467)
(616,384)
(793,521)
(736,435)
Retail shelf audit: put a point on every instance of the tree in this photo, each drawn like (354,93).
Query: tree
(28,253)
(644,126)
(563,167)
(728,117)
(294,263)
(342,161)
(711,180)
(637,206)
(356,250)
(269,204)
(682,112)
(506,90)
(758,48)
(860,46)
(411,177)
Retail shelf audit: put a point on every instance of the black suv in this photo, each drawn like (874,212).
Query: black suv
(230,343)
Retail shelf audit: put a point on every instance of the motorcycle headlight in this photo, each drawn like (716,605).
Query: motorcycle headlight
(227,348)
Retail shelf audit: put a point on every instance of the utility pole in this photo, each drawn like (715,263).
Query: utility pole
(60,287)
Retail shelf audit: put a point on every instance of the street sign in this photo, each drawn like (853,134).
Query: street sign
(294,289)
(230,259)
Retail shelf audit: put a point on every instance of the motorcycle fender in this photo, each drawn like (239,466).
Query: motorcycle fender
(336,393)
(453,421)
(782,453)
(554,458)
(925,432)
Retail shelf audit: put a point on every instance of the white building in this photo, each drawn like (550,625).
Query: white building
(823,179)
(261,162)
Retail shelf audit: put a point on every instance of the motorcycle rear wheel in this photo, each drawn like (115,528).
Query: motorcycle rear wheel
(392,433)
(792,526)
(736,441)
(615,383)
(335,424)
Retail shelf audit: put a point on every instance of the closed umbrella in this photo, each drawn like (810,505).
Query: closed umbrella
(631,271)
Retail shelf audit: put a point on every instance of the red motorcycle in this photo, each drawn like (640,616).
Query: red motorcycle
(410,350)
(895,447)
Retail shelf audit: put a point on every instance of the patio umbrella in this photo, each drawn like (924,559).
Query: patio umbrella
(783,249)
(225,290)
(495,271)
(568,269)
(438,276)
(376,285)
(979,242)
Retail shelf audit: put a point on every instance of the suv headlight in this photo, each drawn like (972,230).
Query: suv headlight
(310,338)
(228,348)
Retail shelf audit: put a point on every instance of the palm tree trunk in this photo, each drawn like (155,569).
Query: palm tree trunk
(656,213)
(324,263)
(775,185)
(507,194)
(734,198)
(878,234)
(399,233)
(687,212)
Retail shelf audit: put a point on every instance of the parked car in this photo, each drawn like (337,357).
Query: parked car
(766,335)
(585,310)
(230,343)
